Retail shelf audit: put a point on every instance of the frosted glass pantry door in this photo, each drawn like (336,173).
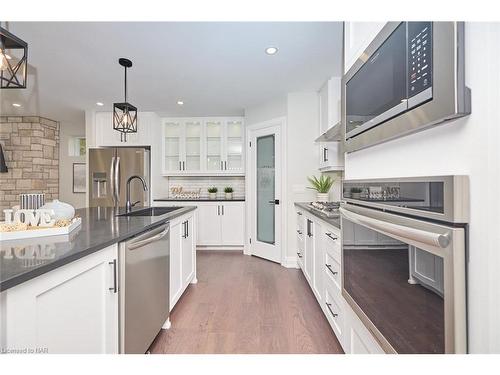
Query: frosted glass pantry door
(265,189)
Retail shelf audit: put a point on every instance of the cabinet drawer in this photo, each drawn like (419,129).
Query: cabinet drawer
(332,244)
(332,271)
(334,311)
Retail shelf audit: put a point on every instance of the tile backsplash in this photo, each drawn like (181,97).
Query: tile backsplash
(203,183)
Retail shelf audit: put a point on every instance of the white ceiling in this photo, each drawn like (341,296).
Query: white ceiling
(216,68)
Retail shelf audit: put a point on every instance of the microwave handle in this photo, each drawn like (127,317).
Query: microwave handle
(412,234)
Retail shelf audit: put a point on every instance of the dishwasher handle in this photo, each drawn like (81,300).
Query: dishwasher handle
(148,237)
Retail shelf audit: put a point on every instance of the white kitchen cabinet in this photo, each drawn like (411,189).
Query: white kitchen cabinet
(331,156)
(210,231)
(322,251)
(357,36)
(309,251)
(232,224)
(220,224)
(319,265)
(182,255)
(73,309)
(105,135)
(203,146)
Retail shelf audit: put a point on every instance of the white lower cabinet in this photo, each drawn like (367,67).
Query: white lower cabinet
(220,223)
(73,309)
(319,257)
(182,255)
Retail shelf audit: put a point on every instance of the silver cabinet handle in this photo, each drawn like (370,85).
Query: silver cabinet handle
(329,306)
(156,235)
(114,288)
(329,266)
(180,165)
(222,210)
(218,210)
(183,165)
(221,165)
(225,165)
(331,237)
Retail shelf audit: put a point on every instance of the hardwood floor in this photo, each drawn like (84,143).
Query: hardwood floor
(244,304)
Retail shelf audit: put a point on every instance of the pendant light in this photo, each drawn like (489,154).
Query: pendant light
(13,61)
(125,114)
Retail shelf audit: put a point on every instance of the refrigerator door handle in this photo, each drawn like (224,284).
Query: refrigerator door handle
(112,180)
(117,180)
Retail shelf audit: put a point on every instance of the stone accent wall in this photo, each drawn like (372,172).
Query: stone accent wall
(31,149)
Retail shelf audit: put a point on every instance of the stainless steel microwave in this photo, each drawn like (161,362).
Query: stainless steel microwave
(409,78)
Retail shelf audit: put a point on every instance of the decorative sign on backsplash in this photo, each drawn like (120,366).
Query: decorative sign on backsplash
(178,192)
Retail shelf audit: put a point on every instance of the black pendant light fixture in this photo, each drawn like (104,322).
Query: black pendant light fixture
(125,114)
(13,61)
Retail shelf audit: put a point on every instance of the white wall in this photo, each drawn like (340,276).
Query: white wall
(302,155)
(66,131)
(469,146)
(267,111)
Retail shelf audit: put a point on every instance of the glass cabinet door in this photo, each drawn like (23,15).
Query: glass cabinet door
(234,151)
(193,146)
(214,145)
(172,154)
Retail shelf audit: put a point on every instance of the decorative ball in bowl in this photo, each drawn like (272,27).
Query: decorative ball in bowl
(62,211)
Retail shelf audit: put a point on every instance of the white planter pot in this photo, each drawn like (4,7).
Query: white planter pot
(322,197)
(229,195)
(212,195)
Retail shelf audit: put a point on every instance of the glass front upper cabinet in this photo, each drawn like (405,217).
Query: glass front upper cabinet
(234,149)
(193,131)
(214,131)
(172,146)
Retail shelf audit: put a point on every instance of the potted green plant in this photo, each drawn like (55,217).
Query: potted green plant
(212,192)
(356,192)
(322,186)
(229,192)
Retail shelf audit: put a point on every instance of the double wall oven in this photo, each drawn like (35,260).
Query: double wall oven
(404,260)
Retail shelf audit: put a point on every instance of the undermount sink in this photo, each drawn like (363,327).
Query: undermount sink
(151,211)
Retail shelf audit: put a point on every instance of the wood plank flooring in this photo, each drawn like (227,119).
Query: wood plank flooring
(243,304)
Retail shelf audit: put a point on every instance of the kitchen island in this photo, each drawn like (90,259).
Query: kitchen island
(22,260)
(64,294)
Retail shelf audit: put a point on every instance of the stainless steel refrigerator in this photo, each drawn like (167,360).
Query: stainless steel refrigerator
(109,169)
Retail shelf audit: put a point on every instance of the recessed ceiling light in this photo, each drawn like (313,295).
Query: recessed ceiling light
(180,102)
(99,104)
(17,105)
(271,50)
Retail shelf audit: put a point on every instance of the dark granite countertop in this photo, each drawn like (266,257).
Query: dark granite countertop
(199,200)
(24,259)
(334,221)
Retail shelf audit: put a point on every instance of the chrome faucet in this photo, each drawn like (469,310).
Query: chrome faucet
(129,205)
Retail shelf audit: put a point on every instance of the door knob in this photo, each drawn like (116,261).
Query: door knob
(276,201)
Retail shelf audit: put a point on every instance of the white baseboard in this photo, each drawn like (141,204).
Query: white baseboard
(219,248)
(290,262)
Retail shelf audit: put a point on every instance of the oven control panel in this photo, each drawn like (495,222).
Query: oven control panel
(419,57)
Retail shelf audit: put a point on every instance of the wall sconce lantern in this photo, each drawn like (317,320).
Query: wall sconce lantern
(13,61)
(125,114)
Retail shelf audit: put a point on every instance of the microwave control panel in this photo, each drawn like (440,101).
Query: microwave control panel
(419,57)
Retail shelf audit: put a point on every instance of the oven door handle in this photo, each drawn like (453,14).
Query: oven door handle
(428,238)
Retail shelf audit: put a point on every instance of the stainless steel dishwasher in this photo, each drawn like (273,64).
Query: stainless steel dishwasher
(144,288)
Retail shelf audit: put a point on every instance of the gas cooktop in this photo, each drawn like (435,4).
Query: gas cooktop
(329,209)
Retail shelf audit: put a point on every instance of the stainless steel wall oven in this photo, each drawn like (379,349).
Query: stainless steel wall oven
(410,77)
(404,261)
